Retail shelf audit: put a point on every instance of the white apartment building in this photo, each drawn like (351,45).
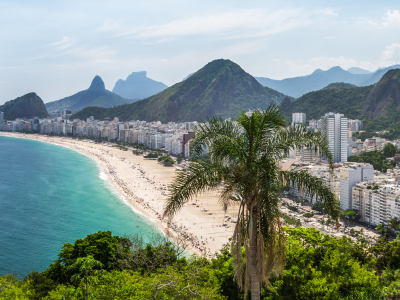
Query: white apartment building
(309,154)
(299,118)
(376,205)
(354,125)
(334,127)
(350,175)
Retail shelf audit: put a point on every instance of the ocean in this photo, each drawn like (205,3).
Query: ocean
(51,195)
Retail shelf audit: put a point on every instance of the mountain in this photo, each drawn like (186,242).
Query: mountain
(385,94)
(188,76)
(95,95)
(220,88)
(355,70)
(319,79)
(340,84)
(378,105)
(138,86)
(298,86)
(378,74)
(27,106)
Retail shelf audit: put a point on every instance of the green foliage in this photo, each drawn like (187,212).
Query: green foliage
(166,160)
(11,288)
(376,158)
(291,221)
(308,215)
(318,206)
(151,155)
(389,150)
(340,85)
(220,88)
(321,267)
(39,284)
(102,246)
(292,208)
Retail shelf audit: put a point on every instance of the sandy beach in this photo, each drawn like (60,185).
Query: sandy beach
(143,184)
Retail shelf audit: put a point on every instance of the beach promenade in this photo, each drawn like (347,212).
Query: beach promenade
(143,185)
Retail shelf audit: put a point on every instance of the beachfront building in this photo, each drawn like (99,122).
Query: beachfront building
(350,175)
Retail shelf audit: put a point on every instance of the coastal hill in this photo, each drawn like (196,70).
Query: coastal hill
(220,88)
(340,84)
(385,94)
(298,86)
(377,105)
(27,106)
(95,95)
(138,86)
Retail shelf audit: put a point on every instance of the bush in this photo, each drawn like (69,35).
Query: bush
(308,215)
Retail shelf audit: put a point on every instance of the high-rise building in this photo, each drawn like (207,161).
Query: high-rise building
(334,127)
(299,118)
(1,120)
(350,175)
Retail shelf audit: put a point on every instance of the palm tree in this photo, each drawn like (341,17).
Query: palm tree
(244,168)
(85,266)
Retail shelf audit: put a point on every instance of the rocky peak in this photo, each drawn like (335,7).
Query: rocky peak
(97,84)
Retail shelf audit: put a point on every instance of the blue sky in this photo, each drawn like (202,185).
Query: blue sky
(55,48)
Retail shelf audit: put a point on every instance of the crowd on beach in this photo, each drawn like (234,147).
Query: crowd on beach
(129,195)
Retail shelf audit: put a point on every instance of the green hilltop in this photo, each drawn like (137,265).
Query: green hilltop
(27,106)
(378,105)
(220,88)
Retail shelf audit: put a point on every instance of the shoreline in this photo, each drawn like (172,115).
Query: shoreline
(143,186)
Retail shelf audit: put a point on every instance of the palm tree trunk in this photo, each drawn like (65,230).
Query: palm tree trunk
(255,282)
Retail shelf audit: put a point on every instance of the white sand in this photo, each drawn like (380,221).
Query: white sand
(143,184)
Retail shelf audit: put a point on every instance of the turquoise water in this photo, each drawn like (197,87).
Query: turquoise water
(50,195)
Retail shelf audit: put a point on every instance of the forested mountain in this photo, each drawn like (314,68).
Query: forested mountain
(95,95)
(340,84)
(298,86)
(377,105)
(27,106)
(220,88)
(138,86)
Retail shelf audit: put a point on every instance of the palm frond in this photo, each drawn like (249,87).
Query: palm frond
(196,178)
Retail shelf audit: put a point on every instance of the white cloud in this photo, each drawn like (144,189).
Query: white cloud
(93,53)
(391,17)
(234,24)
(63,44)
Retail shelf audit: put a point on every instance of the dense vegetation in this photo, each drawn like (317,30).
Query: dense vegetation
(378,159)
(27,106)
(220,88)
(103,266)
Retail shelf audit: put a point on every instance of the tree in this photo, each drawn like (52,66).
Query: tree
(244,158)
(86,267)
(389,150)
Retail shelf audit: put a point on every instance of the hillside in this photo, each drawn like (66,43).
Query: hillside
(298,86)
(340,84)
(378,106)
(138,86)
(220,88)
(347,101)
(27,106)
(95,95)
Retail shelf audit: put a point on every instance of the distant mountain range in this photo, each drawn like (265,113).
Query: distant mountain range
(378,105)
(220,88)
(95,95)
(27,106)
(298,86)
(138,86)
